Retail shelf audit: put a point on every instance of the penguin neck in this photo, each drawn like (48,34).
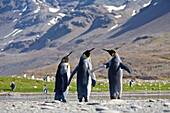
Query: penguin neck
(64,63)
(116,58)
(84,58)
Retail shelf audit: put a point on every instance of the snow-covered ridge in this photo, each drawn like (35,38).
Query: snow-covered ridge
(110,8)
(147,4)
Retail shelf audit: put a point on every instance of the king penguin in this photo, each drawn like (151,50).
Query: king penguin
(62,77)
(115,73)
(84,76)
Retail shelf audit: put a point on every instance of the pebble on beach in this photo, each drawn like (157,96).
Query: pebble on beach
(99,106)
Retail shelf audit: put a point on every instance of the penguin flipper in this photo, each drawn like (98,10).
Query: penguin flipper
(72,74)
(56,83)
(64,82)
(93,77)
(93,82)
(125,67)
(97,68)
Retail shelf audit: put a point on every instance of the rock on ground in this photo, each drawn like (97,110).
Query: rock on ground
(94,106)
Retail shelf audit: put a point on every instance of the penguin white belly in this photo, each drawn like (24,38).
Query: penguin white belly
(65,69)
(68,76)
(115,83)
(89,87)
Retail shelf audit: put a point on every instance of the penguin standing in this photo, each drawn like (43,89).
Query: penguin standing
(84,76)
(115,74)
(62,77)
(12,85)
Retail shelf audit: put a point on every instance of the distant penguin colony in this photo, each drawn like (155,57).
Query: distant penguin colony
(62,77)
(86,76)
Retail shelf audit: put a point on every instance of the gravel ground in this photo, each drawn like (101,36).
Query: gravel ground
(99,106)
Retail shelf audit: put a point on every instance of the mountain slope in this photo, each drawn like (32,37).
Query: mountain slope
(41,33)
(157,14)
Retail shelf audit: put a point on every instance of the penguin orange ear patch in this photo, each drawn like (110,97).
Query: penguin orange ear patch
(63,60)
(84,55)
(113,54)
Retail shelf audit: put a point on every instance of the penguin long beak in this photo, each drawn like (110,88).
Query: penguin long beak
(106,50)
(69,55)
(91,50)
(111,52)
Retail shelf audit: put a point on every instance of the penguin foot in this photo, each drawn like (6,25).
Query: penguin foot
(58,99)
(64,101)
(113,97)
(86,100)
(80,100)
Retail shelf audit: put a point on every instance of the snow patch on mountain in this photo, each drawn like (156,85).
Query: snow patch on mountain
(10,41)
(25,8)
(35,2)
(62,14)
(15,20)
(15,11)
(113,27)
(13,33)
(155,3)
(40,1)
(147,4)
(118,16)
(54,20)
(53,10)
(19,30)
(37,10)
(110,8)
(133,13)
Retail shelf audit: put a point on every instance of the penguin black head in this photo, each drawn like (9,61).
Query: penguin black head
(65,59)
(111,52)
(87,53)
